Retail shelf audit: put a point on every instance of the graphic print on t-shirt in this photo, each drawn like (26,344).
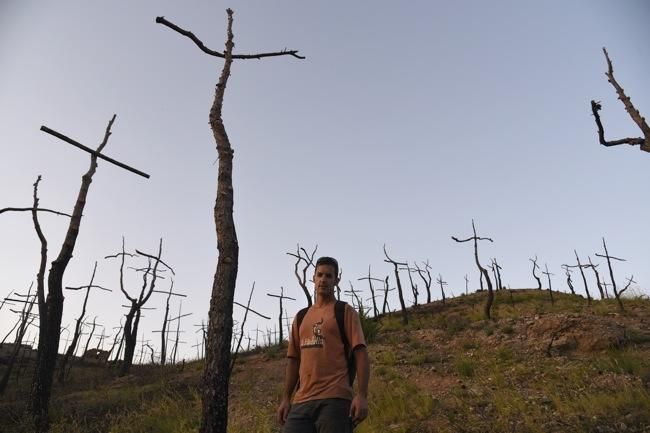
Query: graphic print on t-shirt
(316,341)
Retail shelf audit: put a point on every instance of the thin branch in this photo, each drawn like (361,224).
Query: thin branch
(31,209)
(93,152)
(202,47)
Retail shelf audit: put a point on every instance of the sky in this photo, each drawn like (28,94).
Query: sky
(404,122)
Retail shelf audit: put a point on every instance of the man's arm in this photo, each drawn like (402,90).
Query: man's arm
(359,406)
(290,381)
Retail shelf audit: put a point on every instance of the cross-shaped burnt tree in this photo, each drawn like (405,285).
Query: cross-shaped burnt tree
(405,317)
(248,308)
(216,376)
(370,279)
(281,298)
(550,288)
(163,331)
(482,270)
(643,143)
(51,308)
(581,267)
(442,287)
(609,258)
(569,281)
(77,329)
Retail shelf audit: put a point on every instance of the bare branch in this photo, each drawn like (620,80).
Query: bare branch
(93,152)
(202,47)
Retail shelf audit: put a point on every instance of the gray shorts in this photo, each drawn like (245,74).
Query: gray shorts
(329,415)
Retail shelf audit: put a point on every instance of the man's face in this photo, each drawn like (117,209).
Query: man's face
(325,279)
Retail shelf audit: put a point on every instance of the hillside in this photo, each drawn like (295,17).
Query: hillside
(536,367)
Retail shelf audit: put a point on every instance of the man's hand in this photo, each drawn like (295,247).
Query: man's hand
(358,409)
(283,411)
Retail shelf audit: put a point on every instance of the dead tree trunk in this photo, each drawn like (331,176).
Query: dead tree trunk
(25,320)
(442,287)
(584,279)
(569,281)
(133,316)
(77,330)
(643,143)
(597,275)
(370,279)
(309,262)
(550,288)
(281,297)
(405,317)
(385,307)
(90,337)
(484,273)
(609,258)
(414,287)
(216,375)
(51,310)
(427,279)
(536,266)
(164,331)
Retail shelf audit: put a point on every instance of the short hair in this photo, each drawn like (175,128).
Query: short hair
(331,261)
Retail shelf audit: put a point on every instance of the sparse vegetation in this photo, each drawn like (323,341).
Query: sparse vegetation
(448,370)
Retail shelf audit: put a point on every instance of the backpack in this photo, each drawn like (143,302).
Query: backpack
(339,314)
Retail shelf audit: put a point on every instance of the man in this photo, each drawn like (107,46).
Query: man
(324,401)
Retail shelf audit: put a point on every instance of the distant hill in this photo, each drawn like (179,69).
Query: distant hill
(536,367)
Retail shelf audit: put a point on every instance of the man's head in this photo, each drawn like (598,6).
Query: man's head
(326,276)
(331,261)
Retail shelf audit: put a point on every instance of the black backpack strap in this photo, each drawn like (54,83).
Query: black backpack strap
(300,316)
(339,313)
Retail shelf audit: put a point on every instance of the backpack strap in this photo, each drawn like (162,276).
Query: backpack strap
(339,313)
(300,316)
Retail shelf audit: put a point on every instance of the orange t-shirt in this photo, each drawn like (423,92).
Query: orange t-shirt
(319,349)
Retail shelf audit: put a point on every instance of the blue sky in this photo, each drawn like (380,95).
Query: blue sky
(405,121)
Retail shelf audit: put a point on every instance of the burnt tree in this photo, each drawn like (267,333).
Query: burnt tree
(550,288)
(426,279)
(24,321)
(370,279)
(414,287)
(442,287)
(609,258)
(484,273)
(51,309)
(77,329)
(281,298)
(216,376)
(132,321)
(643,143)
(164,332)
(569,281)
(597,275)
(580,266)
(301,256)
(405,317)
(535,267)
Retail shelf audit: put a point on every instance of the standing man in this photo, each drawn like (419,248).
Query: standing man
(318,364)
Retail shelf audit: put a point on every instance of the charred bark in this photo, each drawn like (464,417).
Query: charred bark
(405,318)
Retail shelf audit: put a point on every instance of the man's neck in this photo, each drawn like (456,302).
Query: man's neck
(324,301)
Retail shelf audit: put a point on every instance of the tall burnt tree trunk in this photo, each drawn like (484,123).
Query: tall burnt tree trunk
(51,309)
(214,418)
(597,275)
(484,273)
(216,375)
